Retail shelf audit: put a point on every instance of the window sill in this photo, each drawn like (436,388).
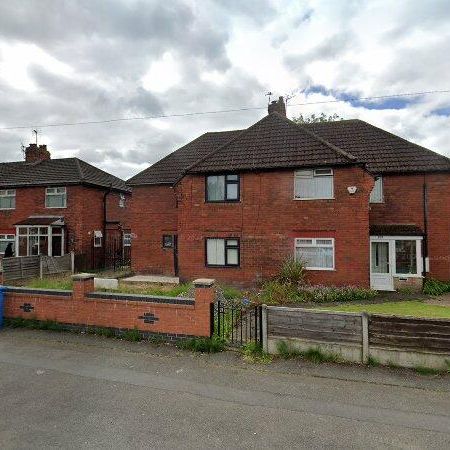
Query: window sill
(211,266)
(221,201)
(56,207)
(7,209)
(310,199)
(321,269)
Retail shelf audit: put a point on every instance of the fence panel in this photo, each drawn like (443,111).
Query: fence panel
(20,267)
(409,333)
(315,325)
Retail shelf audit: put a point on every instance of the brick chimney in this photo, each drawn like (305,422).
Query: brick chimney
(277,106)
(35,153)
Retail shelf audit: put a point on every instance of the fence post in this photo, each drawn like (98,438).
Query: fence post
(72,261)
(265,343)
(365,337)
(41,268)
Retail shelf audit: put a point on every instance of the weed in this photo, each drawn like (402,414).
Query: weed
(393,365)
(132,335)
(435,287)
(315,354)
(253,353)
(423,370)
(203,345)
(286,350)
(373,362)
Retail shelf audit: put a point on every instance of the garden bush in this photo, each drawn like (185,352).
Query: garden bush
(292,272)
(435,287)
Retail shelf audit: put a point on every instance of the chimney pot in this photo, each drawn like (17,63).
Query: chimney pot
(277,106)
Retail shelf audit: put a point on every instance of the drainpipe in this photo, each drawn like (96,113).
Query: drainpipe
(425,224)
(105,219)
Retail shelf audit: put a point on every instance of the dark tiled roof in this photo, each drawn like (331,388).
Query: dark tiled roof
(56,171)
(170,168)
(395,230)
(273,142)
(42,220)
(383,152)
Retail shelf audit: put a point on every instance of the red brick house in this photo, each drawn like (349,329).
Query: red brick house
(357,204)
(53,206)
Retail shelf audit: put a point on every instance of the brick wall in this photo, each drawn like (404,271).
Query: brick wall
(83,307)
(403,204)
(268,219)
(154,213)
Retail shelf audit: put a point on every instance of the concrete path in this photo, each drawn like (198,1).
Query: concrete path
(151,279)
(61,390)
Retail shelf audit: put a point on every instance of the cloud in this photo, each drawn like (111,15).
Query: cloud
(65,61)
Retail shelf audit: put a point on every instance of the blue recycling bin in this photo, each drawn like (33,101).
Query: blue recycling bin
(2,302)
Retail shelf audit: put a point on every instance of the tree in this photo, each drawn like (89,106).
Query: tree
(312,118)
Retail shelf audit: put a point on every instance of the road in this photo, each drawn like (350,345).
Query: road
(60,390)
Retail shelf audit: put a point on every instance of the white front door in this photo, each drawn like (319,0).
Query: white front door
(381,276)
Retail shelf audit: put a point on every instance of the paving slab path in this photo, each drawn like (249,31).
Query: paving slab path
(61,390)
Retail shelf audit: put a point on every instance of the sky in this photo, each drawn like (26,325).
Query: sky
(91,60)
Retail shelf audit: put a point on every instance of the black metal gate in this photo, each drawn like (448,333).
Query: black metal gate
(114,255)
(237,323)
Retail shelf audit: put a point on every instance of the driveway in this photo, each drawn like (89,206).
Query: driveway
(61,390)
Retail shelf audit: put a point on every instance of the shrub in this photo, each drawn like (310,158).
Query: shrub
(203,345)
(292,272)
(330,294)
(275,292)
(435,287)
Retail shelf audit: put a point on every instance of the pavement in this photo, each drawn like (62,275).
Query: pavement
(62,390)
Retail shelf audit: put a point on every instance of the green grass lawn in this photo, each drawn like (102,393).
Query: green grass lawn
(406,308)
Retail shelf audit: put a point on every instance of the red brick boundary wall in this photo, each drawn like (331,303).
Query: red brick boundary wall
(173,317)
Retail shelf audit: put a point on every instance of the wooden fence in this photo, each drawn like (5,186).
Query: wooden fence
(23,267)
(405,341)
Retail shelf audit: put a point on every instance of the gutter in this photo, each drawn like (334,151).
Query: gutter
(105,219)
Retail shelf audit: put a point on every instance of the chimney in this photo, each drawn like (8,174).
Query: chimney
(277,106)
(35,153)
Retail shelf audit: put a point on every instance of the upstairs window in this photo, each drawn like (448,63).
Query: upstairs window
(376,196)
(222,252)
(222,188)
(122,201)
(8,199)
(316,254)
(56,197)
(314,184)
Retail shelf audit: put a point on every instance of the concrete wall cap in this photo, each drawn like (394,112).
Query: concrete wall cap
(83,276)
(204,282)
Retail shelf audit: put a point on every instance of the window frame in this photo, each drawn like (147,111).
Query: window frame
(314,175)
(315,245)
(126,239)
(172,241)
(98,234)
(381,199)
(226,183)
(6,193)
(8,237)
(47,194)
(226,247)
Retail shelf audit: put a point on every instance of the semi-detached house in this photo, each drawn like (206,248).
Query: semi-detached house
(54,206)
(357,204)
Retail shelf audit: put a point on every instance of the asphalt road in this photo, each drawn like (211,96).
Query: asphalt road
(59,390)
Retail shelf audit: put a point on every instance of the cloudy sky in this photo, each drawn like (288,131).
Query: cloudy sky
(76,61)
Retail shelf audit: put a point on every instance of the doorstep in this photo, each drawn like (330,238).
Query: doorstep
(151,279)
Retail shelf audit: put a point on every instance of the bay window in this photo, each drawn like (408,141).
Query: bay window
(40,240)
(56,197)
(315,253)
(8,199)
(222,188)
(222,252)
(314,184)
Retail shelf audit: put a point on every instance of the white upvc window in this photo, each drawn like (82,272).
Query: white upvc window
(314,184)
(8,199)
(222,252)
(98,238)
(56,197)
(376,196)
(6,239)
(315,253)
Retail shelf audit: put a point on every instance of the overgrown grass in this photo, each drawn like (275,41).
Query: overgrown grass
(132,335)
(203,345)
(146,289)
(34,324)
(230,292)
(62,282)
(314,354)
(253,353)
(430,371)
(373,362)
(406,308)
